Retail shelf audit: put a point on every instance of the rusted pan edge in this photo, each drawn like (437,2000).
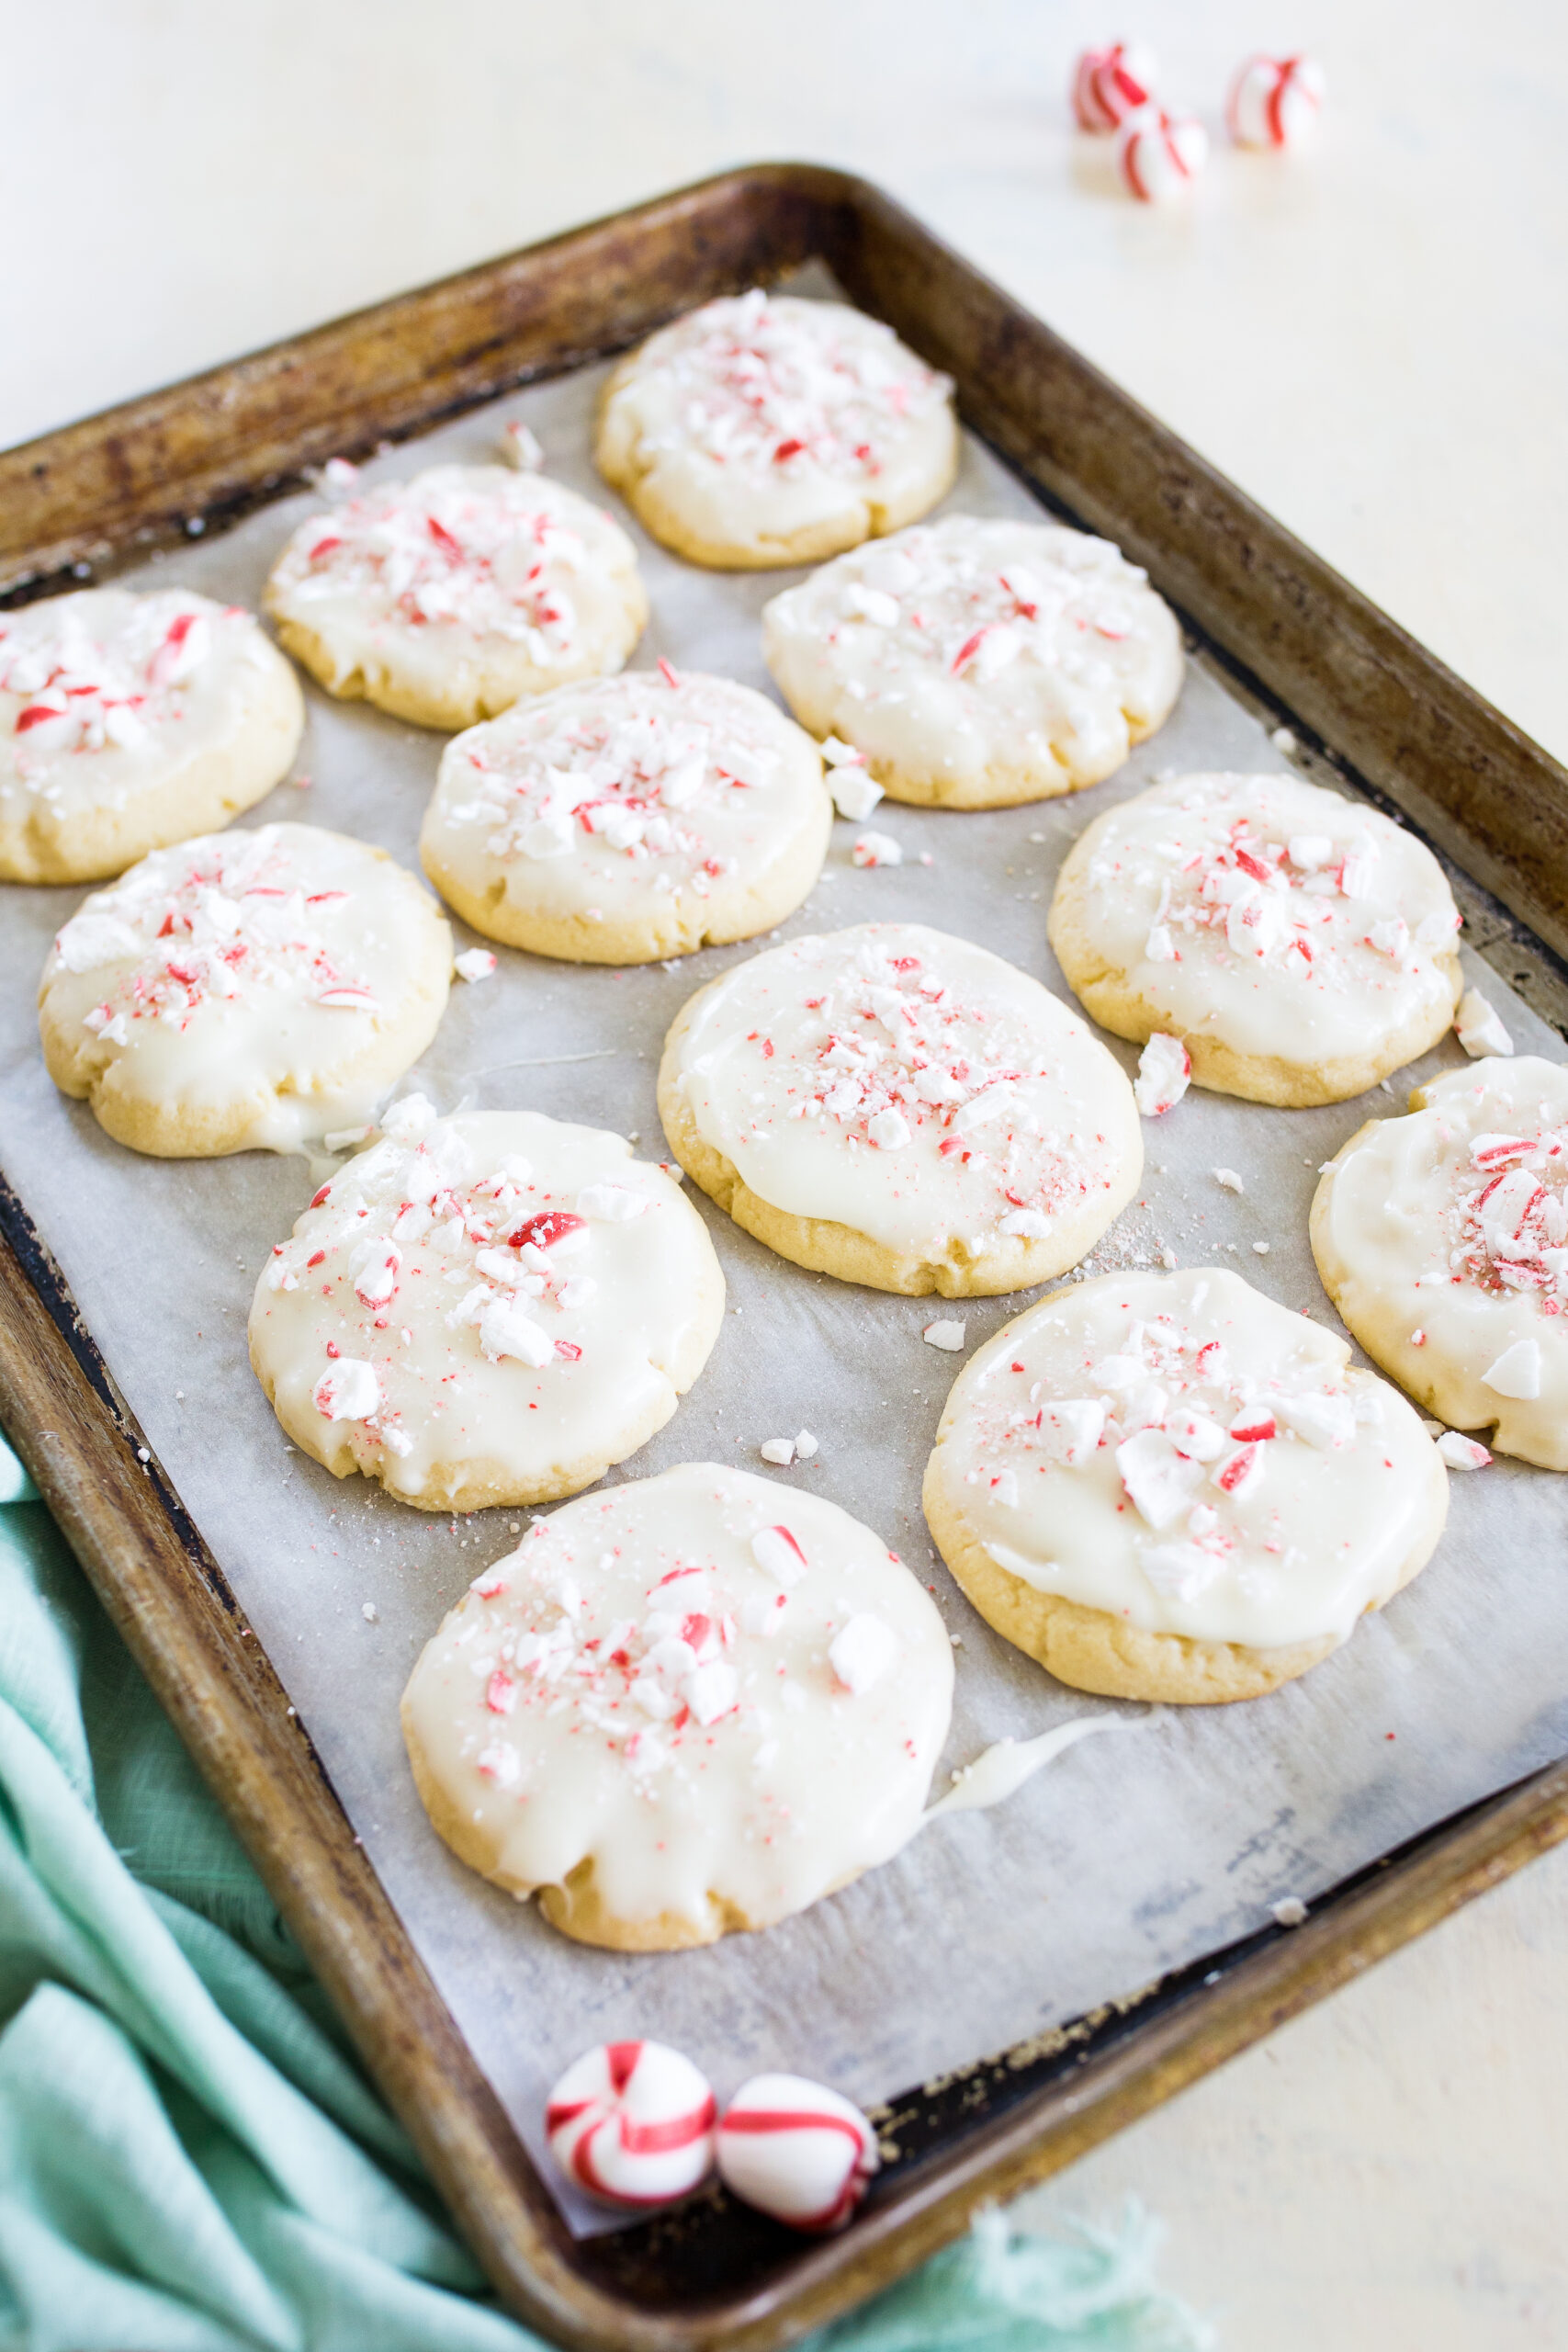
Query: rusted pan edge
(213,446)
(220,442)
(1271,609)
(1465,774)
(180,1621)
(1161,2056)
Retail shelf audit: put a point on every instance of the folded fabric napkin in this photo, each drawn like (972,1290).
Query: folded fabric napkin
(190,2159)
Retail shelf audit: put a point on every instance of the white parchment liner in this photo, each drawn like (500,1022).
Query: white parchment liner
(1126,1857)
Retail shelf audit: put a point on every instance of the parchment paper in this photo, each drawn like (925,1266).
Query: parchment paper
(1127,1856)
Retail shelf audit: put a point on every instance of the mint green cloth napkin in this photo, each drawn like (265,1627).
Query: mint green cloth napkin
(190,2160)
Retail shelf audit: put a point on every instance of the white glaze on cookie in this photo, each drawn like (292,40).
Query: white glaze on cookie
(108,698)
(761,420)
(1443,1239)
(1270,915)
(911,1086)
(652,802)
(498,1299)
(971,659)
(1183,1453)
(253,990)
(470,585)
(643,1686)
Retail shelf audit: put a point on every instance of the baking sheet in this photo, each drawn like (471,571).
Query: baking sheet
(1126,1857)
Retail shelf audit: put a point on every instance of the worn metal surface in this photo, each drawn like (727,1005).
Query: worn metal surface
(1295,639)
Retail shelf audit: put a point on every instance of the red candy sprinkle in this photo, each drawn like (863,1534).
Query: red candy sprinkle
(549,1227)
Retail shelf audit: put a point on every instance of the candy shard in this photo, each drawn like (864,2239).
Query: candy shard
(633,2122)
(776,1550)
(861,1651)
(349,1391)
(1165,1067)
(1462,1452)
(1516,1372)
(1479,1027)
(795,2151)
(877,849)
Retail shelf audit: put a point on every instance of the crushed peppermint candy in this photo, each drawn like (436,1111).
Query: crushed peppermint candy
(1462,1452)
(664,778)
(779,1451)
(663,1633)
(1018,642)
(948,1336)
(1234,871)
(487,1259)
(1228,1180)
(109,671)
(1191,1435)
(877,849)
(1479,1027)
(474,964)
(776,390)
(854,789)
(1164,1067)
(232,919)
(494,554)
(1506,1220)
(520,447)
(1516,1372)
(863,1651)
(894,1047)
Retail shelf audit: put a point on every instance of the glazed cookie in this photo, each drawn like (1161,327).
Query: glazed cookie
(900,1108)
(445,598)
(1165,1486)
(486,1309)
(130,721)
(764,430)
(637,817)
(978,664)
(1442,1238)
(1299,945)
(250,991)
(686,1705)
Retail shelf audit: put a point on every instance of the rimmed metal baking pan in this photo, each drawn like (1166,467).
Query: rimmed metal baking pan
(1297,643)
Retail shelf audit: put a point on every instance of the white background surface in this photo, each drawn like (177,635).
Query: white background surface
(1373,343)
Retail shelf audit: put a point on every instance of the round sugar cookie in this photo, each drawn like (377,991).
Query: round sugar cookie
(978,664)
(764,430)
(1165,1486)
(1300,944)
(1442,1238)
(128,722)
(250,991)
(900,1108)
(446,598)
(486,1309)
(633,817)
(686,1705)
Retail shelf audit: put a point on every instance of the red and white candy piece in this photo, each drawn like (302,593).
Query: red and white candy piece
(1165,1070)
(1161,154)
(1110,84)
(633,2122)
(796,2151)
(1274,101)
